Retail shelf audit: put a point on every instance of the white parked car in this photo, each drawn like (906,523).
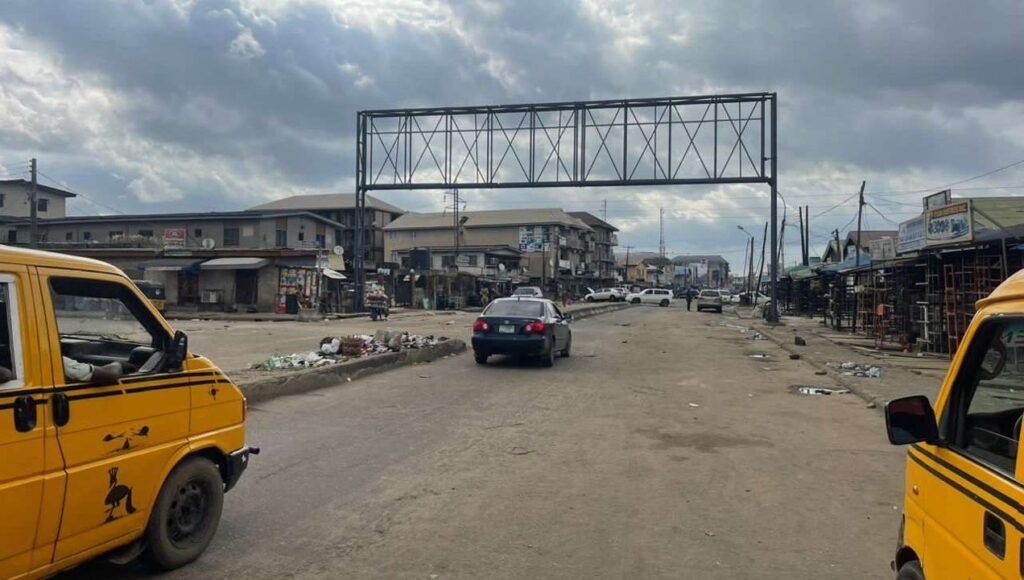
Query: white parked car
(757,296)
(528,291)
(658,296)
(605,294)
(709,300)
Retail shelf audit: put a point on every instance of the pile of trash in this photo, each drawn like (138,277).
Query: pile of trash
(852,369)
(335,349)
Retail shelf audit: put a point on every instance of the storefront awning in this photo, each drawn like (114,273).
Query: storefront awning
(234,264)
(170,264)
(334,274)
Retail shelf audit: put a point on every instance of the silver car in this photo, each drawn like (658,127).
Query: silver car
(709,300)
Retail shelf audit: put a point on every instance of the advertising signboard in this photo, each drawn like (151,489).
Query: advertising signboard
(532,238)
(911,237)
(937,200)
(883,249)
(949,225)
(174,238)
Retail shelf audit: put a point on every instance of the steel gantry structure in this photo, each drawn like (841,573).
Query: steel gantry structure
(711,139)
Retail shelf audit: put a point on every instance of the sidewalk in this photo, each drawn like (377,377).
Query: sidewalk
(902,374)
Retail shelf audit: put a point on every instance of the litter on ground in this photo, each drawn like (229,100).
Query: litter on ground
(852,369)
(335,349)
(807,390)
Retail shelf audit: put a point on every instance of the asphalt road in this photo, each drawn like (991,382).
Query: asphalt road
(660,449)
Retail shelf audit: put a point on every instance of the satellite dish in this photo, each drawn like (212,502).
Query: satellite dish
(209,244)
(339,251)
(501,267)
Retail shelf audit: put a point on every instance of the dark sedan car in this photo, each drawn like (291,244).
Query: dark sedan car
(522,327)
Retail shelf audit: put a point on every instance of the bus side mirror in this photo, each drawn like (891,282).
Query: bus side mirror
(910,420)
(177,352)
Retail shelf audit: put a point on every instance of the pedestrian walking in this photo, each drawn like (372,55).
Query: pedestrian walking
(689,298)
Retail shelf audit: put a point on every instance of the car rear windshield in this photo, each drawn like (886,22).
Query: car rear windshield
(710,293)
(525,291)
(529,309)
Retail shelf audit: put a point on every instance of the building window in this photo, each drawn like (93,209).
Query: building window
(405,262)
(198,232)
(321,241)
(69,236)
(12,236)
(230,237)
(3,198)
(447,261)
(42,204)
(302,236)
(115,235)
(145,233)
(87,236)
(280,238)
(474,260)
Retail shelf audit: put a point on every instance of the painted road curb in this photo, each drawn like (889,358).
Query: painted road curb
(292,383)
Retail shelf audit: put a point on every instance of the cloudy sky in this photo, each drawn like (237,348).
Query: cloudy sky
(159,105)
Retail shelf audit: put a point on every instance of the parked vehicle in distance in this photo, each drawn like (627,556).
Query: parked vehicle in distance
(709,300)
(149,436)
(522,326)
(154,291)
(962,497)
(605,295)
(531,291)
(659,296)
(756,298)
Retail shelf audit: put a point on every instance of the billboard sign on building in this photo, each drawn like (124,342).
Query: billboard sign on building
(532,238)
(882,249)
(912,235)
(174,238)
(937,200)
(949,225)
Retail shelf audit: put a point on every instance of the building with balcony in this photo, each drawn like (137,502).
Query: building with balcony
(208,261)
(600,248)
(704,270)
(341,208)
(553,245)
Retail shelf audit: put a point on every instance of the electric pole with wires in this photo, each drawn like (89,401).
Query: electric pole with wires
(34,206)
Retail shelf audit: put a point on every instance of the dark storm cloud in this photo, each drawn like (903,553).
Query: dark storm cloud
(231,98)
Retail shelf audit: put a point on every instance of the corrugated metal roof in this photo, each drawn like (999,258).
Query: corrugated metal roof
(324,201)
(592,220)
(488,218)
(234,264)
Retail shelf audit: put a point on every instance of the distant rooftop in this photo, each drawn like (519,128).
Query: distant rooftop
(592,220)
(324,201)
(39,187)
(488,218)
(178,217)
(696,258)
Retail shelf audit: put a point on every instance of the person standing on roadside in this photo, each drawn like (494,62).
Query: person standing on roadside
(689,298)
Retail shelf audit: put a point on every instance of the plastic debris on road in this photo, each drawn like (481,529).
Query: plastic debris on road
(852,369)
(808,390)
(335,349)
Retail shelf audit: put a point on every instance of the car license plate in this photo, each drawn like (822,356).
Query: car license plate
(506,328)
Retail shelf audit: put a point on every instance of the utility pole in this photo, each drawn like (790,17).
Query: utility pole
(860,212)
(760,265)
(807,235)
(604,210)
(661,228)
(456,206)
(628,248)
(803,242)
(750,269)
(33,211)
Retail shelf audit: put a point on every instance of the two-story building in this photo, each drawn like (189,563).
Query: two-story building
(242,260)
(51,202)
(552,244)
(704,270)
(600,256)
(341,208)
